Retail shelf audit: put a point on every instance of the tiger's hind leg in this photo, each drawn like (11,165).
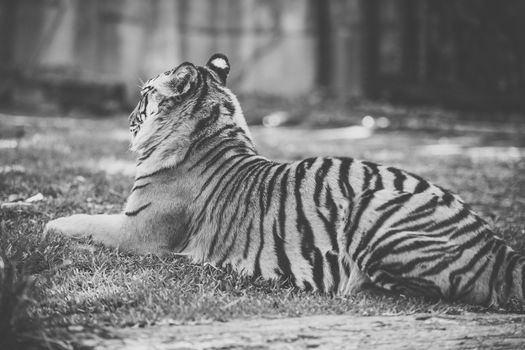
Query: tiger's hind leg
(411,263)
(402,241)
(476,269)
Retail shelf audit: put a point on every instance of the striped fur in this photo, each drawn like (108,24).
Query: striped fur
(326,224)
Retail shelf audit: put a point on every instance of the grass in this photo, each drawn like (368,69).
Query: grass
(83,166)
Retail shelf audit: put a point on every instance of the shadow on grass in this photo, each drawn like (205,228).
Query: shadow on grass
(18,330)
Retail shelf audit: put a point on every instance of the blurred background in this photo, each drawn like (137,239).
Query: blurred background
(62,55)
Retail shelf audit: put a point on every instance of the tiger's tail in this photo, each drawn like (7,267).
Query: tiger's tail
(494,277)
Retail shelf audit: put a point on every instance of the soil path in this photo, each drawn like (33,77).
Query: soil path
(471,331)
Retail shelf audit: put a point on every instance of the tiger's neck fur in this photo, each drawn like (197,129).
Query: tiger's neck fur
(159,147)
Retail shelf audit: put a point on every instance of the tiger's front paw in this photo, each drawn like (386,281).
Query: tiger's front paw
(70,226)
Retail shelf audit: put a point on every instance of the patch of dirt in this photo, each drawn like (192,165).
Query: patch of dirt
(424,331)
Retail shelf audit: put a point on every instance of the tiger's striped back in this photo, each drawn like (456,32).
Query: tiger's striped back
(327,224)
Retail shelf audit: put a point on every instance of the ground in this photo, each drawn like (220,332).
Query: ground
(82,165)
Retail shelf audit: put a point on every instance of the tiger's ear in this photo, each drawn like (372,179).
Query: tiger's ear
(181,80)
(220,65)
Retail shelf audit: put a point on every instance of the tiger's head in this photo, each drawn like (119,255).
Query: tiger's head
(178,102)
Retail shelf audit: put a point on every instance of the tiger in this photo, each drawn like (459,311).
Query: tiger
(331,225)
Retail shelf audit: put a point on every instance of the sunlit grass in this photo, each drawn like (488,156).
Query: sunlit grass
(84,167)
